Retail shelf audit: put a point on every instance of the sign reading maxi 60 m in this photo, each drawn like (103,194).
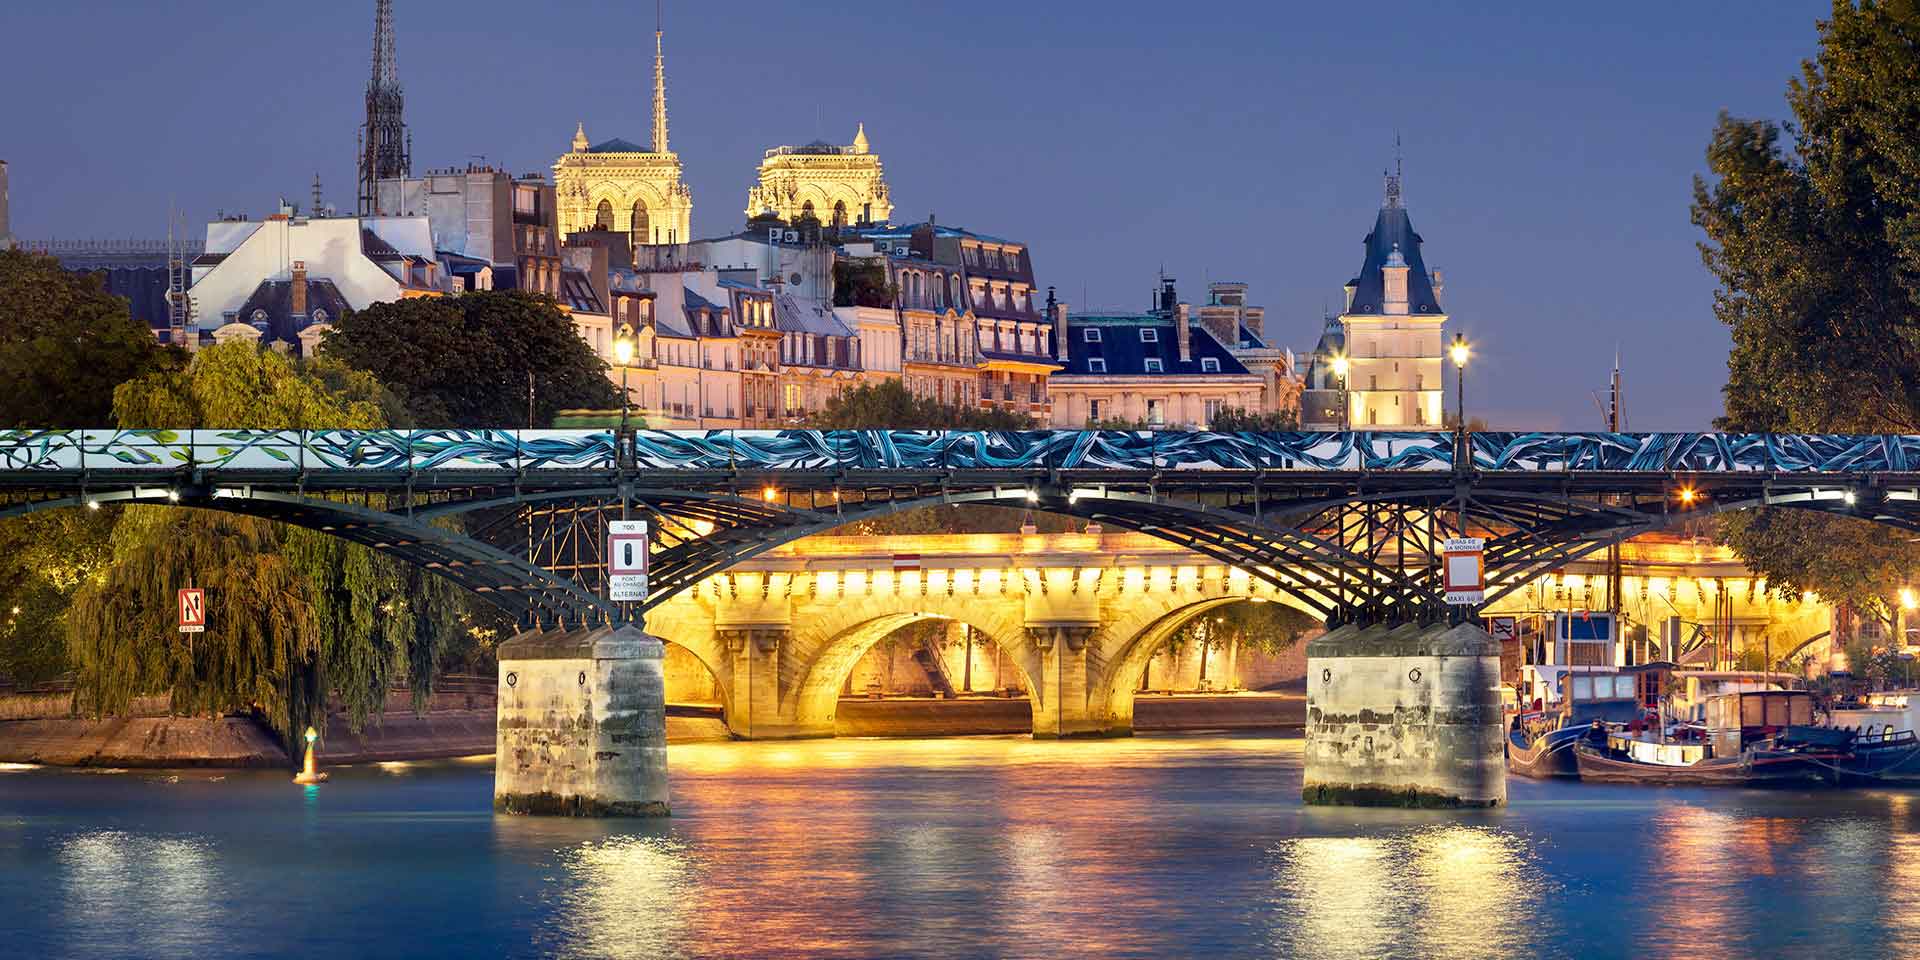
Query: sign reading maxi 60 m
(418,450)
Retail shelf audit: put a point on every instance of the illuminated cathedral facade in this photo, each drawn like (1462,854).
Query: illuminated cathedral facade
(838,185)
(623,187)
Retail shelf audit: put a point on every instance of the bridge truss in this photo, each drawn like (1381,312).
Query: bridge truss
(1350,523)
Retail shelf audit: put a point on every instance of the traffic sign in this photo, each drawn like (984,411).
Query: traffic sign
(1504,629)
(627,560)
(193,610)
(1463,568)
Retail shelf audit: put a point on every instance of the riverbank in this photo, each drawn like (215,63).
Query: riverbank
(459,730)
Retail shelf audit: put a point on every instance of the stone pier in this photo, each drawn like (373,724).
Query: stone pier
(1405,716)
(582,724)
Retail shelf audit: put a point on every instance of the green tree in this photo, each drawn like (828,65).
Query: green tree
(1238,420)
(295,616)
(1816,249)
(861,283)
(467,361)
(889,405)
(65,344)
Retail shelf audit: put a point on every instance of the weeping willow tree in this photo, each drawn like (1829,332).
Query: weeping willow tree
(296,618)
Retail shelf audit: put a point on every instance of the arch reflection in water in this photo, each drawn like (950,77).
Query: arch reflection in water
(131,894)
(1455,890)
(622,897)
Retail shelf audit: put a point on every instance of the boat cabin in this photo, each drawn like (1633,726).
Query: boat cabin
(1693,688)
(1883,714)
(1736,719)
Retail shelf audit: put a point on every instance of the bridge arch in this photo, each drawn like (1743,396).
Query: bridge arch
(1130,642)
(824,649)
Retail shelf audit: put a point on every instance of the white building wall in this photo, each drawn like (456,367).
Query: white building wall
(330,248)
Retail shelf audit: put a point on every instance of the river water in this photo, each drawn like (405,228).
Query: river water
(988,847)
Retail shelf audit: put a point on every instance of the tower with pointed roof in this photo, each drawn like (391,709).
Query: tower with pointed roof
(834,183)
(386,149)
(623,187)
(1391,333)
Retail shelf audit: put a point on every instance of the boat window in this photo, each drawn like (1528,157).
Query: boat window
(1623,686)
(1583,688)
(1802,711)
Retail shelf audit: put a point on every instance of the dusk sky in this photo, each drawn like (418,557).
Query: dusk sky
(1548,148)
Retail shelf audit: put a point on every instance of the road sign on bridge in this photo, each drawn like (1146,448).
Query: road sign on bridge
(1464,567)
(627,560)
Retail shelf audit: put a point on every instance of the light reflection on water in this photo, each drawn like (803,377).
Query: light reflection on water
(1458,890)
(991,847)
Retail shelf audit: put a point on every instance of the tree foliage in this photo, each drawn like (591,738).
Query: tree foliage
(1238,420)
(466,361)
(861,283)
(889,405)
(1816,248)
(65,343)
(295,617)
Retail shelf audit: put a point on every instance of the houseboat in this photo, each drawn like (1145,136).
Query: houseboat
(1751,738)
(1540,743)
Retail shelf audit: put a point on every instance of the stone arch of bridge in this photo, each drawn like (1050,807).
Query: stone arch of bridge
(1130,642)
(691,629)
(823,650)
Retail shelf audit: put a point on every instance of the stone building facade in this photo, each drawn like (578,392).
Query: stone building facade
(621,186)
(837,185)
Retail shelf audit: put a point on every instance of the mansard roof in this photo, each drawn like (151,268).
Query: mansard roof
(1126,352)
(275,299)
(1393,229)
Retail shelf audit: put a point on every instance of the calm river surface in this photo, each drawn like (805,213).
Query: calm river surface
(1151,847)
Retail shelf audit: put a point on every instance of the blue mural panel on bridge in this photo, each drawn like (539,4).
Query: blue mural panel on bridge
(932,450)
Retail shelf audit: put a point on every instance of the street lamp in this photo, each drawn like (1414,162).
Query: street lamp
(1460,353)
(623,355)
(1340,368)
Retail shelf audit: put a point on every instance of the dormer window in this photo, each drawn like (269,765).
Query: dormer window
(1149,335)
(319,316)
(1154,365)
(1096,365)
(259,316)
(1209,365)
(1092,334)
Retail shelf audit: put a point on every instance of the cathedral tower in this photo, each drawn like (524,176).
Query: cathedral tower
(836,184)
(621,186)
(386,149)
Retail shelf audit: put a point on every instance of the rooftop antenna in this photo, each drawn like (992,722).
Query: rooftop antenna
(1393,179)
(315,212)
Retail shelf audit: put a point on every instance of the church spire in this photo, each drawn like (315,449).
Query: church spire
(1393,179)
(860,144)
(580,138)
(385,148)
(659,83)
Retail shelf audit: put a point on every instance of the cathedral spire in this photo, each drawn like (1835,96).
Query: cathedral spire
(385,148)
(659,83)
(860,144)
(1393,179)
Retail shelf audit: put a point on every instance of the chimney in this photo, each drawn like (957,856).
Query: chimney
(1183,329)
(1057,310)
(299,304)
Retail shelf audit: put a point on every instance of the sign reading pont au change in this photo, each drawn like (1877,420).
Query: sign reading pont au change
(193,610)
(1464,571)
(627,560)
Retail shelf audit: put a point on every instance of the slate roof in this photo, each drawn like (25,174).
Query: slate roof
(1125,353)
(576,291)
(790,315)
(1251,340)
(145,289)
(276,298)
(617,145)
(376,249)
(1390,229)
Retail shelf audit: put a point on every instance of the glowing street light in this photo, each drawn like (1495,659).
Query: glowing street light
(1460,353)
(1688,495)
(623,355)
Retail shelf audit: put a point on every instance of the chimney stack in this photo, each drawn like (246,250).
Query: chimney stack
(1183,329)
(1057,310)
(299,304)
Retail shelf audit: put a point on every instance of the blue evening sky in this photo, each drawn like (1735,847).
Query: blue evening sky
(1549,147)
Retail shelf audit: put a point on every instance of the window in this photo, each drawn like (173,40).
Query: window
(1096,365)
(1093,410)
(1149,335)
(1213,410)
(1091,334)
(1209,365)
(1154,365)
(1373,381)
(1156,412)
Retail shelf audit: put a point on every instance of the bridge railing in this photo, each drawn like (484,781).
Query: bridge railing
(1029,450)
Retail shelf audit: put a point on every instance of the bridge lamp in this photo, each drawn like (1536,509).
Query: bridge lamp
(1460,352)
(173,496)
(770,494)
(1849,498)
(93,504)
(1688,495)
(623,355)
